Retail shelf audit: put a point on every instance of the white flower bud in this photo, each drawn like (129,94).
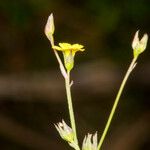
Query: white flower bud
(90,142)
(139,45)
(65,131)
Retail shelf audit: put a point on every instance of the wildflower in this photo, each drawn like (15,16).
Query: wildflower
(50,28)
(65,131)
(69,53)
(90,142)
(139,45)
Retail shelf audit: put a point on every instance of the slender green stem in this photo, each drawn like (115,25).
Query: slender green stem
(131,67)
(70,106)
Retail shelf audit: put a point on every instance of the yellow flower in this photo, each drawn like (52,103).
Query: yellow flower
(65,47)
(69,53)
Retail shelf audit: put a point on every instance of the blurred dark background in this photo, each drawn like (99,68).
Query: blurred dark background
(32,93)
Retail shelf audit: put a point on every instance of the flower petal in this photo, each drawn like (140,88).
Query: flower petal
(65,45)
(57,48)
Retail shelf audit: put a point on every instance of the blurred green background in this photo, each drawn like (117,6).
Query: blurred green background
(32,93)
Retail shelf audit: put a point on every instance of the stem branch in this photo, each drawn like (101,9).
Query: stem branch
(131,67)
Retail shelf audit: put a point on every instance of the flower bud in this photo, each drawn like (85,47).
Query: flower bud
(50,28)
(65,131)
(139,45)
(90,142)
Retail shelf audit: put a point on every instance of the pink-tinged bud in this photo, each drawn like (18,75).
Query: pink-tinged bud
(50,28)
